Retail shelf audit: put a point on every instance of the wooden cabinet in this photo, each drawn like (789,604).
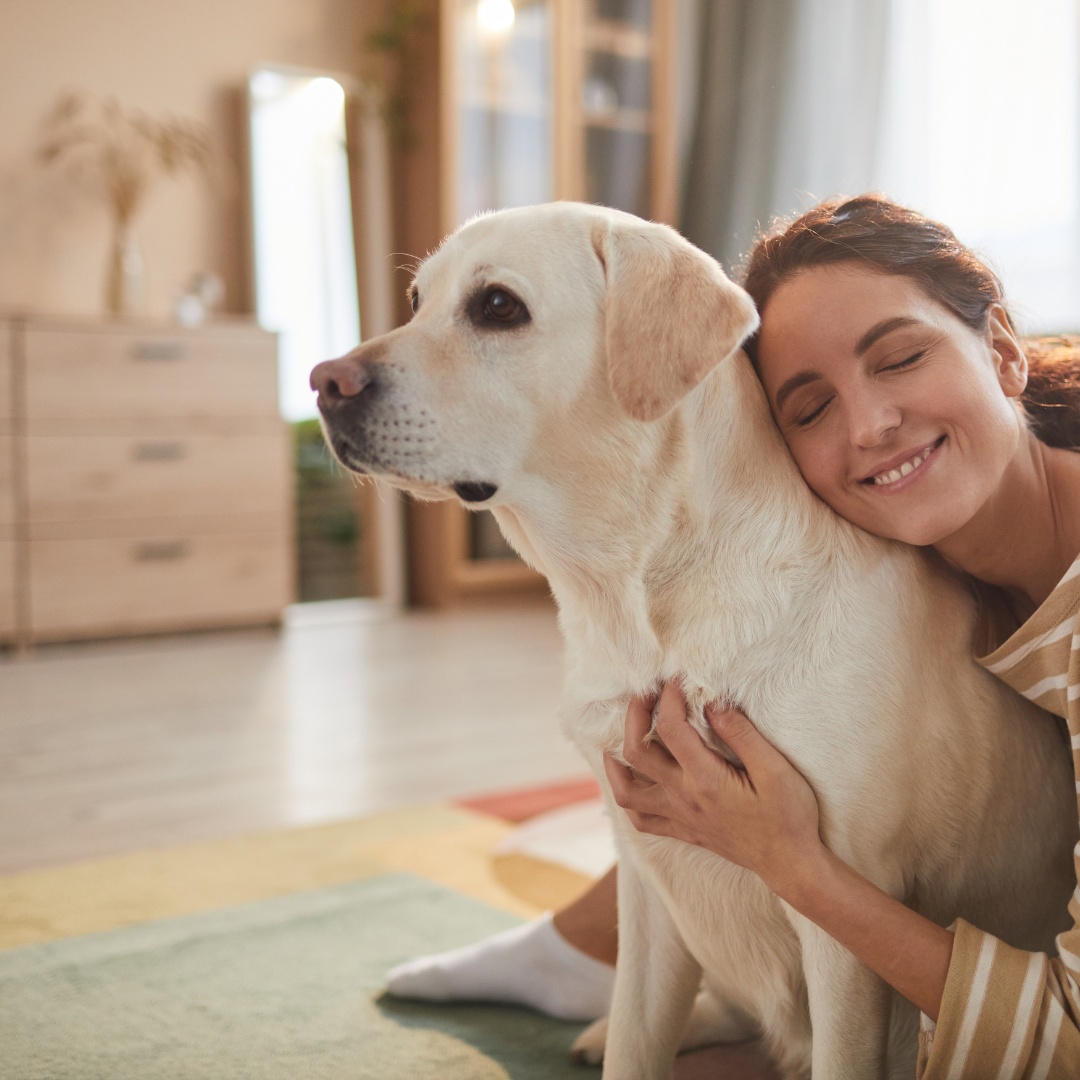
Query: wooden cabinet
(571,99)
(89,478)
(542,100)
(151,476)
(163,576)
(8,548)
(8,596)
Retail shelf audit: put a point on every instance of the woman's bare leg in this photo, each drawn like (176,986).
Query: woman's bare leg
(591,923)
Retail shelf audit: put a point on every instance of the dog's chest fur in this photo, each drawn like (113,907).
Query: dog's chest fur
(746,587)
(750,591)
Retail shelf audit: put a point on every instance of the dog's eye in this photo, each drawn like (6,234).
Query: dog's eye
(500,306)
(496,308)
(414,299)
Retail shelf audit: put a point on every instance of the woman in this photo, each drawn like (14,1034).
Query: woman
(894,373)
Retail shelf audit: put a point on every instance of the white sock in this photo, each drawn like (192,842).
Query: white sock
(531,965)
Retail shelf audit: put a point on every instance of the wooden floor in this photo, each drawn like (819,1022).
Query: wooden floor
(112,747)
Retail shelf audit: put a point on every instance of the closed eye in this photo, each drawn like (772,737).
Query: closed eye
(913,358)
(804,421)
(908,361)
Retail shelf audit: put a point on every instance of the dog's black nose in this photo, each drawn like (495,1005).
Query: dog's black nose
(474,491)
(338,380)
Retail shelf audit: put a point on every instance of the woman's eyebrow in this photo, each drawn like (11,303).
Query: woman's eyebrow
(879,330)
(793,384)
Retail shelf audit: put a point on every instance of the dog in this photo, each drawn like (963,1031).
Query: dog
(578,371)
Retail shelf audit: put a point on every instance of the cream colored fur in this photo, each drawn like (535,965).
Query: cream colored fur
(638,467)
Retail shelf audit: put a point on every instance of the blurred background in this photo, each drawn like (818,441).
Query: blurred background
(199,201)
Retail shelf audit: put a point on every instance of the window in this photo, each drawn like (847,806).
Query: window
(981,129)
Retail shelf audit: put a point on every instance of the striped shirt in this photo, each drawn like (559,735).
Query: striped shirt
(1008,1014)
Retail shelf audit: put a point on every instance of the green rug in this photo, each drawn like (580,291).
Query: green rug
(281,989)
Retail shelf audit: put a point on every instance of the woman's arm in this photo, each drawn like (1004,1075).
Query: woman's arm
(765,817)
(909,952)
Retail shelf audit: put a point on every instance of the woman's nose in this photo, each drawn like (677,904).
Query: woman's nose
(871,418)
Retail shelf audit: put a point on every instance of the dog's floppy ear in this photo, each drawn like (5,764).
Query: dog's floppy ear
(671,315)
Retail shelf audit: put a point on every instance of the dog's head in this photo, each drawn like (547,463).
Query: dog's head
(563,317)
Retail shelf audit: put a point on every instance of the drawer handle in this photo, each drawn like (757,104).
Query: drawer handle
(158,350)
(158,451)
(160,550)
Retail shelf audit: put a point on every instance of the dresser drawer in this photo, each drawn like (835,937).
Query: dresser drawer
(7,480)
(122,585)
(100,477)
(7,588)
(121,372)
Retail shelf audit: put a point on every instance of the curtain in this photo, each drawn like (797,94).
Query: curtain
(968,110)
(780,104)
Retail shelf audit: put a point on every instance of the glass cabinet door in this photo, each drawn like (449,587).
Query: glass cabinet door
(617,107)
(551,99)
(558,99)
(504,105)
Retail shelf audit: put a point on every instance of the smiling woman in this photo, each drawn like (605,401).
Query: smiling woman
(893,370)
(952,386)
(873,314)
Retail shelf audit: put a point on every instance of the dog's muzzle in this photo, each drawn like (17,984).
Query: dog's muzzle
(370,432)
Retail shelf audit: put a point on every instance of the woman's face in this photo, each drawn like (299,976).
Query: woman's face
(896,412)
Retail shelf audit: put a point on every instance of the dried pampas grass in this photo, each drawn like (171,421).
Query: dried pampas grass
(118,152)
(115,154)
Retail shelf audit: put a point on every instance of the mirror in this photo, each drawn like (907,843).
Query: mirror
(302,224)
(317,152)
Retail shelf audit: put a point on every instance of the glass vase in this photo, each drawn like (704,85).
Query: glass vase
(124,273)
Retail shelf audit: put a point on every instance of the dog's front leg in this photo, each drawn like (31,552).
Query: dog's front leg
(656,980)
(849,1008)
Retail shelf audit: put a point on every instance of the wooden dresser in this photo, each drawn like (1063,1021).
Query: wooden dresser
(145,479)
(8,546)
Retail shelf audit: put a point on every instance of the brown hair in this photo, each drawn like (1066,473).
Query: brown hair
(1052,396)
(893,239)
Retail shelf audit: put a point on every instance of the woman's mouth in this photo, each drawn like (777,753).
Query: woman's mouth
(891,476)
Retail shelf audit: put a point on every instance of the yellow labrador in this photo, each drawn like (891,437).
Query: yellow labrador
(577,371)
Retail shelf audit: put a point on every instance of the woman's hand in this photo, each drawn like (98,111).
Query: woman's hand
(763,816)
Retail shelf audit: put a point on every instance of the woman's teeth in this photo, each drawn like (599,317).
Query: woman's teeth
(893,475)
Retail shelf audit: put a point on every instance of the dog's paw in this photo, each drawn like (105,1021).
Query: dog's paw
(588,1048)
(713,1020)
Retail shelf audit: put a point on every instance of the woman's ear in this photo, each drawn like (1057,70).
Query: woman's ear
(1010,359)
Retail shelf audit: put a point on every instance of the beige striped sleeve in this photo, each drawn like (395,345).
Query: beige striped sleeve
(1007,1014)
